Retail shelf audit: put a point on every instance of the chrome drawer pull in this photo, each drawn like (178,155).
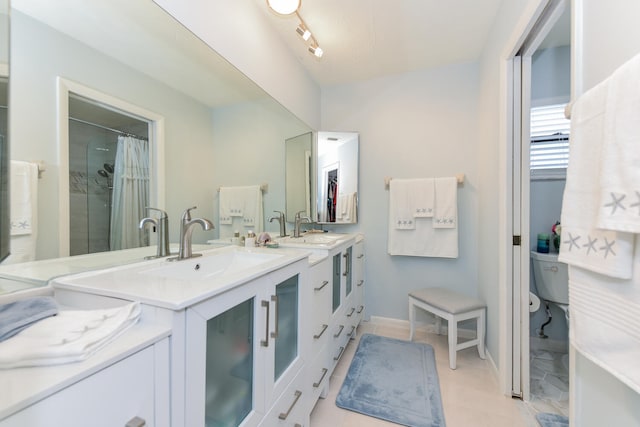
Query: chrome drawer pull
(353,310)
(360,283)
(339,332)
(339,354)
(360,309)
(353,328)
(324,372)
(324,328)
(360,256)
(265,342)
(136,422)
(324,283)
(284,415)
(347,261)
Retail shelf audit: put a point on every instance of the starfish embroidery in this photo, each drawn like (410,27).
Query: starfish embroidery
(608,247)
(573,241)
(590,245)
(637,204)
(616,202)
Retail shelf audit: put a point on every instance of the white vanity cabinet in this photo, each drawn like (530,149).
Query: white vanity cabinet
(245,352)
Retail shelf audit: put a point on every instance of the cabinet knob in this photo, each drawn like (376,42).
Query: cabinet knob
(136,422)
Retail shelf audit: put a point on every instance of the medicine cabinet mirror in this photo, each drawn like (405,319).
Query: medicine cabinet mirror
(337,177)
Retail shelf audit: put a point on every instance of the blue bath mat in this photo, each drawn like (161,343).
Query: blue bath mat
(393,380)
(552,420)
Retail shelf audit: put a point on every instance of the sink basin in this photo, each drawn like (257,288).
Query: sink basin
(311,239)
(210,266)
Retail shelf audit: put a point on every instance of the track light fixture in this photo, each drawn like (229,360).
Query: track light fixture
(290,7)
(304,32)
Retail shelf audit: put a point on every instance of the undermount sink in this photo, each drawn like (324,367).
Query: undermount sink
(311,239)
(210,266)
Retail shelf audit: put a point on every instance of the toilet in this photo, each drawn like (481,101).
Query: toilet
(552,280)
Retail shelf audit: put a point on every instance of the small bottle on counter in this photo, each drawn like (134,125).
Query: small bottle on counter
(235,240)
(250,240)
(543,243)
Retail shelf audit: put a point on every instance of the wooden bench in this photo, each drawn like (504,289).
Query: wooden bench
(454,307)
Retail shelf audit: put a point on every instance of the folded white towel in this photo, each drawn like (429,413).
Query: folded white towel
(240,207)
(619,205)
(583,244)
(70,336)
(446,203)
(346,208)
(423,239)
(422,197)
(399,205)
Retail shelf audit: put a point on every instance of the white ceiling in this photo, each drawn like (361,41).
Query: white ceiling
(365,39)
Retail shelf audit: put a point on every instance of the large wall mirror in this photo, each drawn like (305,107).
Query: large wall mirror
(4,135)
(337,177)
(134,56)
(299,170)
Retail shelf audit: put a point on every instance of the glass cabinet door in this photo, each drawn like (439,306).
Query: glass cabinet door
(286,332)
(337,269)
(229,366)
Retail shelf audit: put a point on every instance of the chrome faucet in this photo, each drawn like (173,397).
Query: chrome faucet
(282,221)
(161,225)
(186,228)
(299,220)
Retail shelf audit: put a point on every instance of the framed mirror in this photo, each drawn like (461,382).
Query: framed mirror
(337,177)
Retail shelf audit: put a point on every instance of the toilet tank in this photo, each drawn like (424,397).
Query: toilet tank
(551,277)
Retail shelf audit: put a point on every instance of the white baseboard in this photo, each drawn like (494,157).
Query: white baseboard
(425,327)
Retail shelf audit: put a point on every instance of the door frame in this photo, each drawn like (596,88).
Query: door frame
(156,150)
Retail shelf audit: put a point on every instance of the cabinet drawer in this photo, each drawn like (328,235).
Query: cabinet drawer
(292,408)
(319,374)
(110,397)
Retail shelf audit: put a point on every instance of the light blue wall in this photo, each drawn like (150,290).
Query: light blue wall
(412,125)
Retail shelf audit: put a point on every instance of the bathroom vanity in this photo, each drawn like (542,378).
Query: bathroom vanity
(236,336)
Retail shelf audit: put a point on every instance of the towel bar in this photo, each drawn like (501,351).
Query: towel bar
(387,180)
(264,187)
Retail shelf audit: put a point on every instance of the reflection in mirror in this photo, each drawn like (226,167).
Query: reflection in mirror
(337,177)
(4,140)
(298,175)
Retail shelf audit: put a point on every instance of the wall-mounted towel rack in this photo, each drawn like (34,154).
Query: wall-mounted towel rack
(264,187)
(567,110)
(387,180)
(41,167)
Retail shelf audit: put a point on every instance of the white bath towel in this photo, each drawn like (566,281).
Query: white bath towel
(422,197)
(619,206)
(346,208)
(582,243)
(240,208)
(604,320)
(70,336)
(24,212)
(446,203)
(423,240)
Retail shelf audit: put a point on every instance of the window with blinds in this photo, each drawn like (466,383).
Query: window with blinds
(549,140)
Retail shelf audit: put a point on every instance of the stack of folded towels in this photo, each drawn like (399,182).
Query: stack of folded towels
(34,332)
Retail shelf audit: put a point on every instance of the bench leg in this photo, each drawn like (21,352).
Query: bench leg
(438,325)
(453,341)
(412,318)
(480,333)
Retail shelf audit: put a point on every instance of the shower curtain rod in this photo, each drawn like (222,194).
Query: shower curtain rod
(108,128)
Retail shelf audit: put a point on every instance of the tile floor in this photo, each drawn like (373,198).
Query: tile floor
(549,373)
(470,394)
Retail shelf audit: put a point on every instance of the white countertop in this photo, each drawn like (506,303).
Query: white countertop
(137,282)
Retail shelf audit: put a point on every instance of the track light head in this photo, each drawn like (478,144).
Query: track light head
(316,50)
(304,32)
(284,7)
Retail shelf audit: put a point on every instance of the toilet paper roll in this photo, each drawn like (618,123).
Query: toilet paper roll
(534,302)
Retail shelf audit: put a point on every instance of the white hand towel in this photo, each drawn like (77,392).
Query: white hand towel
(422,196)
(583,244)
(240,207)
(619,207)
(252,214)
(24,212)
(400,206)
(70,336)
(423,240)
(231,204)
(446,203)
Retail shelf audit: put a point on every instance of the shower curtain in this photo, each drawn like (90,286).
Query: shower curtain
(130,193)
